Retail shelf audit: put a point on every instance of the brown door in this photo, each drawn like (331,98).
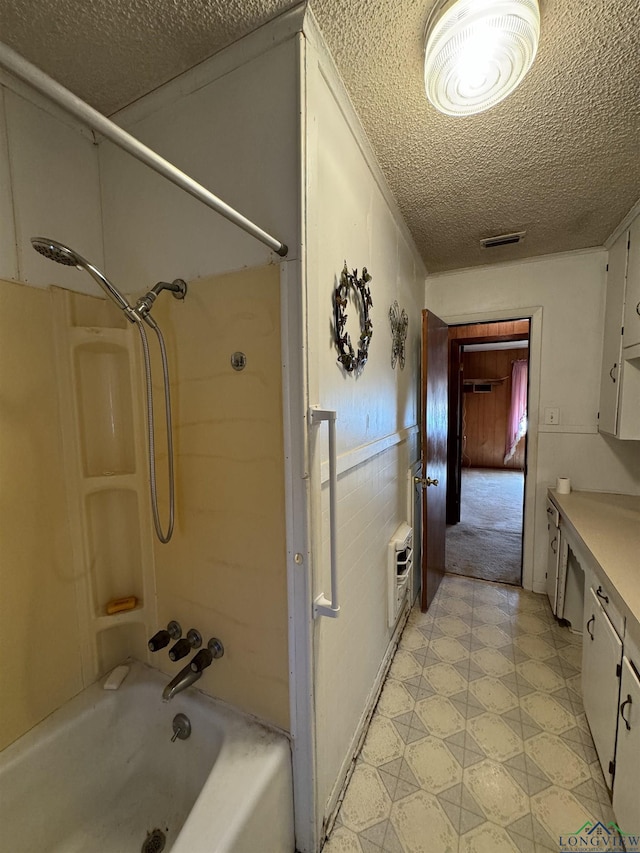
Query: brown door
(433,445)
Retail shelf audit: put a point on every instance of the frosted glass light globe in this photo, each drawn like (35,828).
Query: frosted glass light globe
(478,51)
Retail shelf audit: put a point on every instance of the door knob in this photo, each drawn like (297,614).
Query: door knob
(425,481)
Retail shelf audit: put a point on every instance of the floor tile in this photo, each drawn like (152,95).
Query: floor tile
(558,762)
(366,801)
(479,741)
(382,744)
(440,716)
(496,739)
(422,825)
(395,699)
(494,789)
(493,695)
(433,764)
(487,838)
(342,840)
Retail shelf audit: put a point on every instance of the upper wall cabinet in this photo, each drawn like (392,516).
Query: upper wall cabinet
(620,380)
(631,335)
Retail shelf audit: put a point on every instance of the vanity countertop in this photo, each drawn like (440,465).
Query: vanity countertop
(609,527)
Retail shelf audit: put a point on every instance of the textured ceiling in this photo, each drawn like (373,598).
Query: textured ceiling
(559,158)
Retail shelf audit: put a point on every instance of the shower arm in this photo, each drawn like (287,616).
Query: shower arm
(17,65)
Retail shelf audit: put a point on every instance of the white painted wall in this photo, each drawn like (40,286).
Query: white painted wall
(351,216)
(231,124)
(570,289)
(49,186)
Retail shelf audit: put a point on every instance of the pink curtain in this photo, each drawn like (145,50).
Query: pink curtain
(517,420)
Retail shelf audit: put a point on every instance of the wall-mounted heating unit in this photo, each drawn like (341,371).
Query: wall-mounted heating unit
(400,564)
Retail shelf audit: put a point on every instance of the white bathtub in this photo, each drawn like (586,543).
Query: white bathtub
(101,773)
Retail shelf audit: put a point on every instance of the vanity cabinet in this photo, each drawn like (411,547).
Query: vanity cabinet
(619,413)
(601,661)
(626,793)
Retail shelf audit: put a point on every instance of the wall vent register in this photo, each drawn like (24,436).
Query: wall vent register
(400,563)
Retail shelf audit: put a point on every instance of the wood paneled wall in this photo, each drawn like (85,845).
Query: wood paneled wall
(485,415)
(485,330)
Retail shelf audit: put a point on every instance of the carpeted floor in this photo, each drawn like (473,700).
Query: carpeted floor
(487,543)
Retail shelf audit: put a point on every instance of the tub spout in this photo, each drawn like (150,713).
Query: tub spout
(185,678)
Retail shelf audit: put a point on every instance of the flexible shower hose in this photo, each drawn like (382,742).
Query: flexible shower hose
(163,537)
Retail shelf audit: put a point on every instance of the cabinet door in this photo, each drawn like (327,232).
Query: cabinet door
(626,792)
(553,553)
(601,656)
(612,348)
(631,335)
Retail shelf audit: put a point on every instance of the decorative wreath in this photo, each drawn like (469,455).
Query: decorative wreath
(399,325)
(360,286)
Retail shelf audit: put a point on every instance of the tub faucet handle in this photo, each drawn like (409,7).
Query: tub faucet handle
(203,659)
(163,638)
(193,640)
(159,641)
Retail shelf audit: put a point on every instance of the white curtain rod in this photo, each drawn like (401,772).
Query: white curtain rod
(24,70)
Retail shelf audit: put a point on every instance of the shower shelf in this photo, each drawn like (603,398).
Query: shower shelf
(103,431)
(127,617)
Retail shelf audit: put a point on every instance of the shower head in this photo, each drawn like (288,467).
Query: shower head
(62,254)
(55,251)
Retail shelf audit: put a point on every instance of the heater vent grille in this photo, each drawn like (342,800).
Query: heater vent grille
(502,240)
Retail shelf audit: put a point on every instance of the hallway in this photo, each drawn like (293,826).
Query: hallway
(479,743)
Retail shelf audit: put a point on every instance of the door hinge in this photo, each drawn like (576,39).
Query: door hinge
(612,767)
(607,267)
(618,670)
(622,331)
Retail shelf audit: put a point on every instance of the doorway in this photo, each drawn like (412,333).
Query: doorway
(487,449)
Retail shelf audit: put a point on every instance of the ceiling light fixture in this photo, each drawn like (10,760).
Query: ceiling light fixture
(478,51)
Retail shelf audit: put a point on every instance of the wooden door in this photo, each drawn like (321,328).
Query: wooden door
(433,446)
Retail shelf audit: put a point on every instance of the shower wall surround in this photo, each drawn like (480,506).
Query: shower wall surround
(224,570)
(38,609)
(48,184)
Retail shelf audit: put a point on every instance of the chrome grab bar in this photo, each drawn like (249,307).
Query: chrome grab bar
(323,606)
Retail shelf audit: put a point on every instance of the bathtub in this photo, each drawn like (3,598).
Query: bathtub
(101,775)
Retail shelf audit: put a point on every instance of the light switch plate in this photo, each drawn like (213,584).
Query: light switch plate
(552,415)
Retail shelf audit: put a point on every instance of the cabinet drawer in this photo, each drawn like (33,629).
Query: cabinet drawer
(601,592)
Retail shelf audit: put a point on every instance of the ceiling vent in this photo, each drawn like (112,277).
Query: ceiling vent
(502,240)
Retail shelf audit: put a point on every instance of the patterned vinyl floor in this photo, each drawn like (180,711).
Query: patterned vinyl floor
(479,741)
